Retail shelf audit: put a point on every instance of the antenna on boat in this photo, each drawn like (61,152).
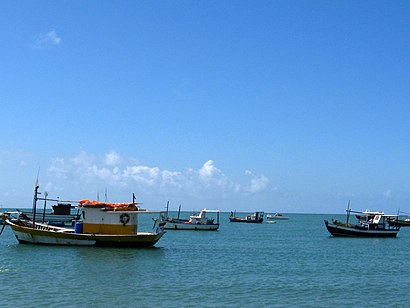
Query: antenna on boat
(133,198)
(105,194)
(348,213)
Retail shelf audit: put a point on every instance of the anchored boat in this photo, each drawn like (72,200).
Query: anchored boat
(369,224)
(256,217)
(276,216)
(195,222)
(101,224)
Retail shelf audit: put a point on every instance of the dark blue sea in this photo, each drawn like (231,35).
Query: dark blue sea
(293,263)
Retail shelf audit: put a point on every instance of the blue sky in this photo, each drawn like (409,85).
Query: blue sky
(290,106)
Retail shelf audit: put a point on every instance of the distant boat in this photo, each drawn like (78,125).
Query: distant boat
(370,224)
(60,215)
(256,217)
(276,216)
(400,221)
(102,224)
(195,222)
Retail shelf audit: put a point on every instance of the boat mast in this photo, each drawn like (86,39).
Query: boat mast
(45,202)
(167,208)
(35,201)
(348,213)
(179,210)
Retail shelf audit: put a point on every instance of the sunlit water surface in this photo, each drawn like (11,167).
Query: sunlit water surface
(290,263)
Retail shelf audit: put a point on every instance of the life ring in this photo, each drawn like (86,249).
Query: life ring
(125,218)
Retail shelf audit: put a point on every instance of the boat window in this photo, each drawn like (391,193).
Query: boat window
(376,219)
(83,214)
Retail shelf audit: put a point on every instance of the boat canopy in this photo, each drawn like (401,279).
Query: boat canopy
(98,204)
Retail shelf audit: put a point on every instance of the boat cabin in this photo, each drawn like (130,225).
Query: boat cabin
(109,218)
(376,220)
(202,219)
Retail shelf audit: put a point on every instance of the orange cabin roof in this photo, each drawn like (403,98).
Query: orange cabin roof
(88,203)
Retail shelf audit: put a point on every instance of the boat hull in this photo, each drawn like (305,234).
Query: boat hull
(347,231)
(66,237)
(400,223)
(276,217)
(252,221)
(188,226)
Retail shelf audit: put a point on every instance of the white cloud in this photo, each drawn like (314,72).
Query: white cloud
(83,159)
(112,158)
(258,183)
(58,168)
(208,170)
(142,174)
(208,181)
(46,40)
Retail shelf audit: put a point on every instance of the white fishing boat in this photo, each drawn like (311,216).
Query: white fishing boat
(195,222)
(101,224)
(276,216)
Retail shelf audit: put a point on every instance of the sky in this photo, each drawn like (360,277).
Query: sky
(278,106)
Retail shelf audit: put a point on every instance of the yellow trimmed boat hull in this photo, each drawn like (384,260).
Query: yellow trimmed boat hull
(62,236)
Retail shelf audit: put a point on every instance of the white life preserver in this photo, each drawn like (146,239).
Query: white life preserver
(124,218)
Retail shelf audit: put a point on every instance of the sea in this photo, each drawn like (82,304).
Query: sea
(292,263)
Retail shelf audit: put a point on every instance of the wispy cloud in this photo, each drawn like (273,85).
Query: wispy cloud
(387,193)
(208,181)
(258,183)
(47,40)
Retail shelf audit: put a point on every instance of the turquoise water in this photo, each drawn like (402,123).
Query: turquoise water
(290,263)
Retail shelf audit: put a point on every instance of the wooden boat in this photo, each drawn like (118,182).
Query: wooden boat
(369,224)
(102,224)
(256,217)
(195,222)
(276,216)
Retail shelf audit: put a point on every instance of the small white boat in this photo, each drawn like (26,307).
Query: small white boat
(276,216)
(195,222)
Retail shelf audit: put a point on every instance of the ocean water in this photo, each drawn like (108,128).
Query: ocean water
(294,263)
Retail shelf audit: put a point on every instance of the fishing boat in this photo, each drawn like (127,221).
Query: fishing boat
(101,224)
(369,224)
(256,217)
(276,216)
(174,220)
(195,222)
(61,215)
(400,221)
